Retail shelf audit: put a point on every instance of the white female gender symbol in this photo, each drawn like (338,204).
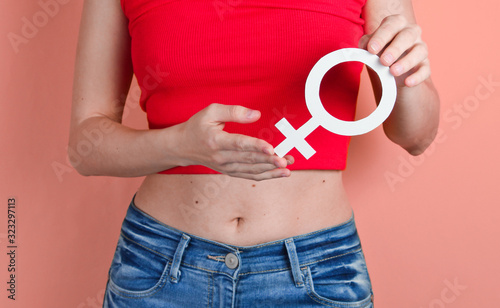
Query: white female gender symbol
(296,138)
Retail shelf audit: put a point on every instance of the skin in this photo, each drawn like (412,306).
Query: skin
(256,198)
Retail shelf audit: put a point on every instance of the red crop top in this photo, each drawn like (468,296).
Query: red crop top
(254,53)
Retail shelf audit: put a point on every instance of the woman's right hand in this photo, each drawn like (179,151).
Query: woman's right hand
(203,142)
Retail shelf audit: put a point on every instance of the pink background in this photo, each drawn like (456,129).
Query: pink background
(433,224)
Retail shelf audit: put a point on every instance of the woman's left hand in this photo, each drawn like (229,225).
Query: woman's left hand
(399,45)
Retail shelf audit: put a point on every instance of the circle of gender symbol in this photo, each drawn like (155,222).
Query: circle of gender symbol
(296,138)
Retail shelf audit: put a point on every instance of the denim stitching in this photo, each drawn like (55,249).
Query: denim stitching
(305,264)
(331,303)
(337,256)
(246,273)
(153,251)
(266,271)
(209,275)
(138,294)
(339,305)
(123,293)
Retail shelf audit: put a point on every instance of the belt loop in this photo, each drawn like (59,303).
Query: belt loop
(174,271)
(294,261)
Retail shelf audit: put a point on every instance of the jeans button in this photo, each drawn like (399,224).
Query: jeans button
(231,260)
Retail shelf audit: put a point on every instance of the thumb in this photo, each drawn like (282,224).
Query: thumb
(233,113)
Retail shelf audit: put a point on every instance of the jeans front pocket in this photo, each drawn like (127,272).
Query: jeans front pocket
(341,281)
(137,271)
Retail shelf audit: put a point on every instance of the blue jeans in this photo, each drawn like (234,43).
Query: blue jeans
(156,265)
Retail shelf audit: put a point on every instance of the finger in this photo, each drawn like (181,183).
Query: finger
(231,113)
(289,159)
(247,168)
(387,30)
(245,157)
(402,42)
(422,73)
(273,174)
(417,54)
(238,142)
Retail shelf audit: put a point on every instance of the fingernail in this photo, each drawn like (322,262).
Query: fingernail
(251,114)
(388,58)
(288,162)
(375,46)
(277,164)
(284,174)
(269,151)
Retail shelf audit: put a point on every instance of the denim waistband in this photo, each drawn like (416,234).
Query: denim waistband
(205,254)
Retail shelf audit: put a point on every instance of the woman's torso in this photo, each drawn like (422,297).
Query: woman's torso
(188,54)
(244,212)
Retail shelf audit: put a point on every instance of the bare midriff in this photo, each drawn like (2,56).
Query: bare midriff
(243,212)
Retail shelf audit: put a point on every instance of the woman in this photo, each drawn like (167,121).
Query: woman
(204,229)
